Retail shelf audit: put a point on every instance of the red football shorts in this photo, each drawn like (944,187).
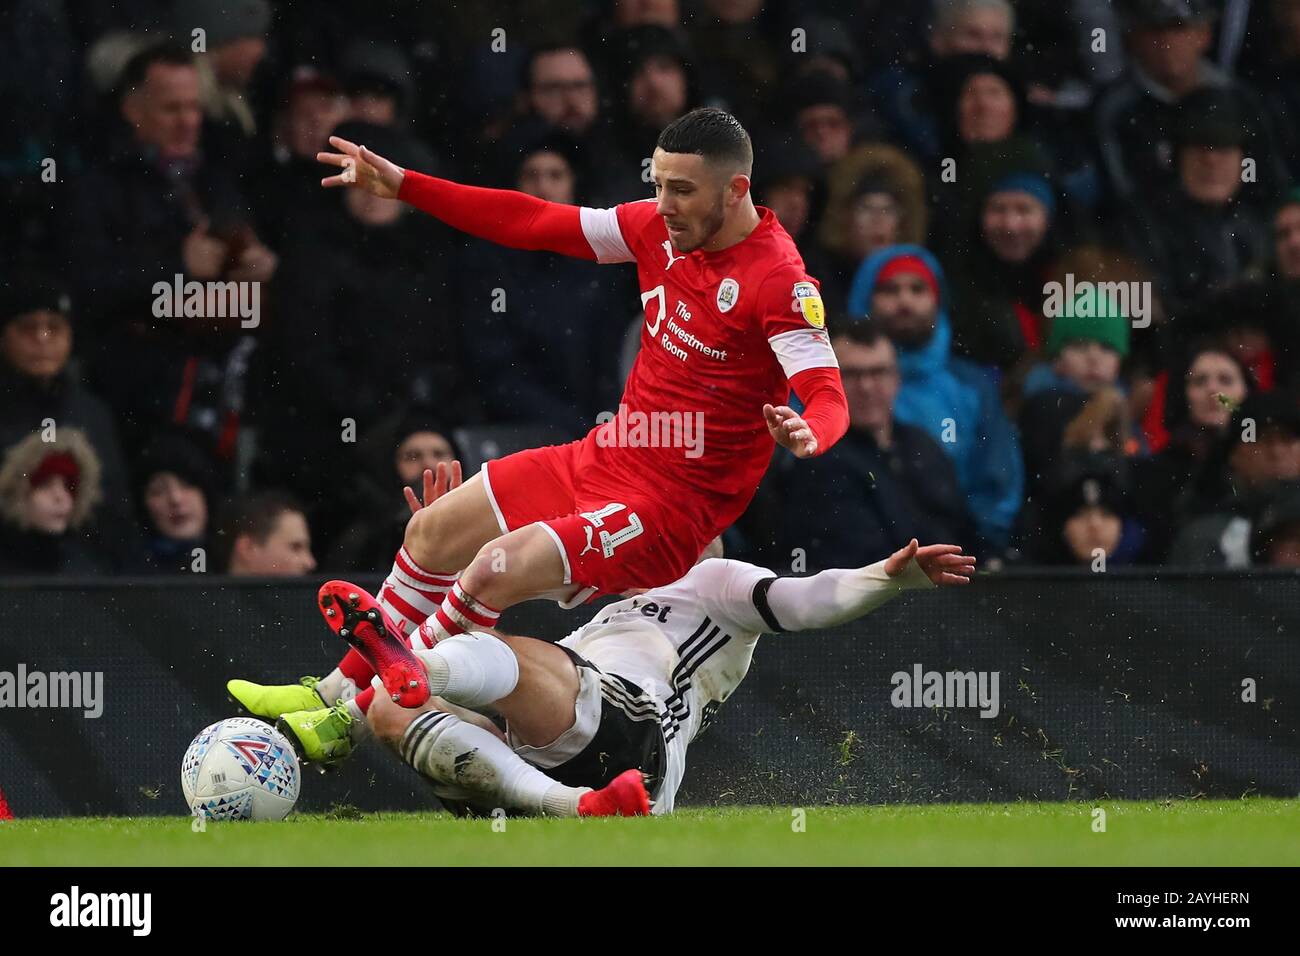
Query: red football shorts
(612,535)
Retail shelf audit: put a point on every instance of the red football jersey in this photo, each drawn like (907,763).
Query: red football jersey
(722,334)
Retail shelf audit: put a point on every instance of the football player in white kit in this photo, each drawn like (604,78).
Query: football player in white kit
(600,723)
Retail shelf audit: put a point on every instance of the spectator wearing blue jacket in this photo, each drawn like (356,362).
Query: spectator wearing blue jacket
(953,400)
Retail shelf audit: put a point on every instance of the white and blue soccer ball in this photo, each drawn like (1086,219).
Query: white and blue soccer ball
(240,769)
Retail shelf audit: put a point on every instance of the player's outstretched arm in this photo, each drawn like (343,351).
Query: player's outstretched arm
(503,216)
(844,594)
(825,418)
(826,408)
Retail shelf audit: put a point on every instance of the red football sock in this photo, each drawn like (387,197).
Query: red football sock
(356,669)
(411,593)
(364,699)
(459,613)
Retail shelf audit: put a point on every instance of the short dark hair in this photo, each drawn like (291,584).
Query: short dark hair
(137,67)
(861,332)
(255,516)
(712,133)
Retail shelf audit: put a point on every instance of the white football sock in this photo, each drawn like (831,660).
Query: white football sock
(359,730)
(449,751)
(337,686)
(472,670)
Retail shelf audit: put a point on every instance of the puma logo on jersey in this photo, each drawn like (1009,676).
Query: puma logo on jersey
(668,250)
(590,547)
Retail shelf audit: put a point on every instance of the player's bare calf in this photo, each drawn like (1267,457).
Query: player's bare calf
(515,567)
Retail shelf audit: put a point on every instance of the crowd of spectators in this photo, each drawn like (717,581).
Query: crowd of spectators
(943,166)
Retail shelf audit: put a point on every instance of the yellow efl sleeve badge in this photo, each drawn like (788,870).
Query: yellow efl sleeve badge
(810,304)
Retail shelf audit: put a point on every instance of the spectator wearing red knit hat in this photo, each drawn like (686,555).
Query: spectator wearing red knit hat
(49,491)
(954,400)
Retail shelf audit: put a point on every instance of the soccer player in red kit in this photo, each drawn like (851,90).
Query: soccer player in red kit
(732,322)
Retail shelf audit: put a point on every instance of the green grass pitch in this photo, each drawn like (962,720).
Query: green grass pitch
(1193,833)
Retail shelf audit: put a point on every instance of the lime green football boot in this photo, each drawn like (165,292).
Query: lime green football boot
(270,701)
(322,737)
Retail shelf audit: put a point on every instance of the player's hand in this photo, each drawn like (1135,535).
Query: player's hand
(943,564)
(448,477)
(362,169)
(790,431)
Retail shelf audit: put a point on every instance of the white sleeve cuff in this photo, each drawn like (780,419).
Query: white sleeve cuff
(602,230)
(802,349)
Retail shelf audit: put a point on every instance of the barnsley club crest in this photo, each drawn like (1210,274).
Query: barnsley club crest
(728,290)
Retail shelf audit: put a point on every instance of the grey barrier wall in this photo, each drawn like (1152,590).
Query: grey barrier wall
(1122,685)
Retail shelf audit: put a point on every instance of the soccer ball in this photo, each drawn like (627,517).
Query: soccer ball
(240,769)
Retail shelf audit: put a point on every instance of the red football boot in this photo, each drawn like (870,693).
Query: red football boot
(354,615)
(624,796)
